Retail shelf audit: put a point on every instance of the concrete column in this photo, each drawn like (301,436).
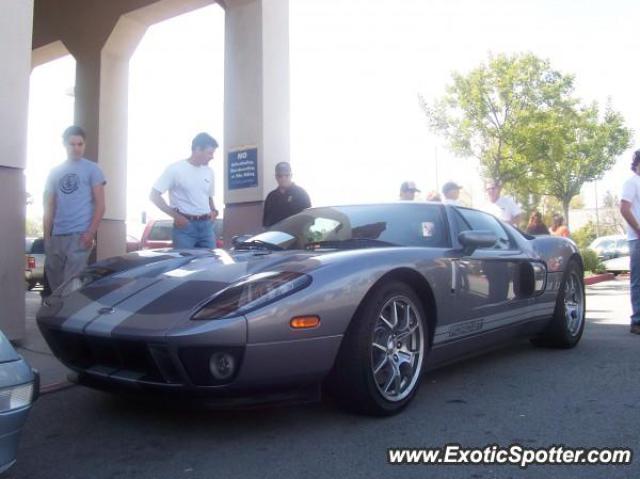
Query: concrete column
(101,108)
(15,54)
(256,101)
(113,134)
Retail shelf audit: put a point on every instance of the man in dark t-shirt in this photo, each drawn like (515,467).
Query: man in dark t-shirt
(286,200)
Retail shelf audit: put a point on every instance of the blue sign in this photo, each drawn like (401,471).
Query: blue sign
(242,169)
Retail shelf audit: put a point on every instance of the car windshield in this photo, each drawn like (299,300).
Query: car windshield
(365,226)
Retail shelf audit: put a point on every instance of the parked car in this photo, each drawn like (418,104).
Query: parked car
(613,246)
(34,261)
(159,233)
(133,243)
(359,299)
(19,386)
(619,265)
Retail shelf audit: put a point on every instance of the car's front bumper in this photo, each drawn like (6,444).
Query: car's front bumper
(181,363)
(11,424)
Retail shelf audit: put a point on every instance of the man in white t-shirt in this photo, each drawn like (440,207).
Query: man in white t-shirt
(504,207)
(190,185)
(630,210)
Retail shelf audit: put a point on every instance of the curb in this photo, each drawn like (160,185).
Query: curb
(55,387)
(598,278)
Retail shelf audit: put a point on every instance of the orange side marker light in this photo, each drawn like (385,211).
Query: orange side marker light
(305,322)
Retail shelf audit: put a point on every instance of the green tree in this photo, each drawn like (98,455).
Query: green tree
(520,118)
(482,114)
(577,203)
(568,147)
(33,227)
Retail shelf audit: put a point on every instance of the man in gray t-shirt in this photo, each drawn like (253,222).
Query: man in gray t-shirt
(73,208)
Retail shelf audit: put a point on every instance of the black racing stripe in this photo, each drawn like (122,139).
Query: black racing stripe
(94,292)
(117,264)
(183,298)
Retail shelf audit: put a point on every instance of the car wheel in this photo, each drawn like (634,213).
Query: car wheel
(381,358)
(567,324)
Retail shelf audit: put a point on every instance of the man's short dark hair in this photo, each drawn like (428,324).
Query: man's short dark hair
(73,130)
(636,160)
(202,141)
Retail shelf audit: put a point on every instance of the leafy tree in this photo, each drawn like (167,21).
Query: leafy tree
(519,117)
(33,227)
(482,114)
(577,203)
(567,148)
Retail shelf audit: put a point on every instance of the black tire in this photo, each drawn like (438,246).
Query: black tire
(353,381)
(565,329)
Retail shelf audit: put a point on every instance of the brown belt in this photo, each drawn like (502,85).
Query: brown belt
(196,218)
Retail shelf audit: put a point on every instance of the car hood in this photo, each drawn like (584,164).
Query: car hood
(149,292)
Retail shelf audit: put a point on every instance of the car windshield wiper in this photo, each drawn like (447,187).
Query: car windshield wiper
(351,243)
(258,244)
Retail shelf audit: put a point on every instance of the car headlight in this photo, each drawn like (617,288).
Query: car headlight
(254,292)
(16,397)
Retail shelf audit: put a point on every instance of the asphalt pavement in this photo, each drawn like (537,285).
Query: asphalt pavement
(585,397)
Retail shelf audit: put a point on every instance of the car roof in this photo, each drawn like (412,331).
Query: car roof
(610,237)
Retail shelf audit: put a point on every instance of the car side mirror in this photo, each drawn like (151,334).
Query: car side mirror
(472,240)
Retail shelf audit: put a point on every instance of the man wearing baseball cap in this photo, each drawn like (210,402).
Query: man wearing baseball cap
(286,200)
(451,192)
(408,191)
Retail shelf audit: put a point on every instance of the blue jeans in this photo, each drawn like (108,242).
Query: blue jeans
(634,250)
(197,234)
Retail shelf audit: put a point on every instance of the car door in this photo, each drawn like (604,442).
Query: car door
(487,282)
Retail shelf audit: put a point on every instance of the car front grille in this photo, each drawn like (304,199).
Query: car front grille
(112,356)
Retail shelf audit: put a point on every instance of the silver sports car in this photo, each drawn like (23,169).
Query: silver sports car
(358,300)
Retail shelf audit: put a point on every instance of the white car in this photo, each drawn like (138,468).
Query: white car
(612,246)
(618,265)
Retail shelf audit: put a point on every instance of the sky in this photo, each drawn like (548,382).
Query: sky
(356,69)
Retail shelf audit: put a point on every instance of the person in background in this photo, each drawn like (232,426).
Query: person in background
(190,185)
(536,225)
(630,210)
(451,192)
(286,200)
(408,191)
(74,205)
(504,207)
(558,228)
